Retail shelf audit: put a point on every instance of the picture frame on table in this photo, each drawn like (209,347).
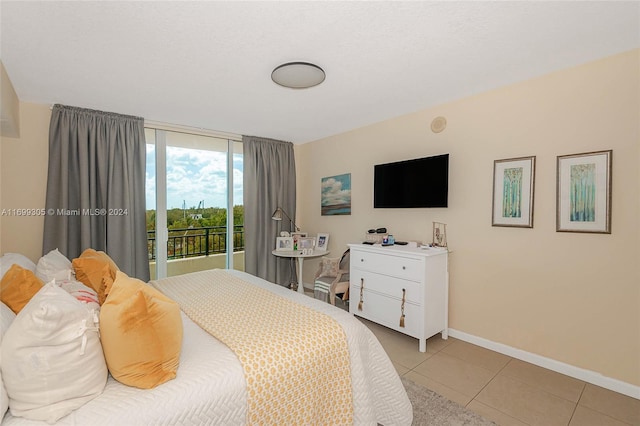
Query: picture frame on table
(322,242)
(583,192)
(296,237)
(306,243)
(513,190)
(284,243)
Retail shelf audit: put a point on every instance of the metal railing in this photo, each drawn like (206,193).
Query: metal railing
(192,242)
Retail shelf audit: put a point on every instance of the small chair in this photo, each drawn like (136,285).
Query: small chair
(332,279)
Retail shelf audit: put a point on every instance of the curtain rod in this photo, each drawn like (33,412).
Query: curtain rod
(187,129)
(192,130)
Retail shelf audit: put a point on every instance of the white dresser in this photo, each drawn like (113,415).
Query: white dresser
(382,277)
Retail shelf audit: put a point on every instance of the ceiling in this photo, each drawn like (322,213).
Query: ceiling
(208,64)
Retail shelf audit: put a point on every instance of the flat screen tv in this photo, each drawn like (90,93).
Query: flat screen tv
(421,182)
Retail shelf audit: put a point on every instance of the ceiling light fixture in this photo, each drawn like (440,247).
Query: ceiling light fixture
(298,75)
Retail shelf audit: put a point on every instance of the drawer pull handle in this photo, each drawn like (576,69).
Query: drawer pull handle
(361,290)
(404,293)
(404,267)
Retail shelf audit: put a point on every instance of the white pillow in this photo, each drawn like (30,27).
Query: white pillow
(54,266)
(52,360)
(6,318)
(10,258)
(81,292)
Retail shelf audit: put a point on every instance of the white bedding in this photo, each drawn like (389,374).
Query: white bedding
(210,386)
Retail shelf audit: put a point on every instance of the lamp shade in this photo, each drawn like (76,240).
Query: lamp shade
(277,215)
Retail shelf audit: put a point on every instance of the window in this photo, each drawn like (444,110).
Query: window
(188,195)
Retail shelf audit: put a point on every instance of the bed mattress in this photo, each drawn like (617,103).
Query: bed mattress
(210,387)
(209,390)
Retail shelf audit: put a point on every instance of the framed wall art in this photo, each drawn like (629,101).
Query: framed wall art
(583,192)
(513,187)
(335,198)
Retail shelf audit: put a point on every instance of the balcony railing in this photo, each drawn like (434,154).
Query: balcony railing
(192,242)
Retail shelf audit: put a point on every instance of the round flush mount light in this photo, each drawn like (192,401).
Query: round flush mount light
(298,75)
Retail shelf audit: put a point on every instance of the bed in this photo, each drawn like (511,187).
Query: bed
(210,387)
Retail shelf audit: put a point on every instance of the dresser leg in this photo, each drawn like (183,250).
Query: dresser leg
(445,334)
(422,345)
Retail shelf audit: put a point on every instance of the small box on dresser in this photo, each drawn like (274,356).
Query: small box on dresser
(386,282)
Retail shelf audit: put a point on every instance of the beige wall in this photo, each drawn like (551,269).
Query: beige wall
(9,106)
(23,181)
(570,297)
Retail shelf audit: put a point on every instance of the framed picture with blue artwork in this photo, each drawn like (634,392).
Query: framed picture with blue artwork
(335,198)
(583,192)
(322,242)
(513,185)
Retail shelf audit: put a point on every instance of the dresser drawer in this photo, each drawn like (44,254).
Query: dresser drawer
(386,311)
(380,274)
(386,285)
(407,268)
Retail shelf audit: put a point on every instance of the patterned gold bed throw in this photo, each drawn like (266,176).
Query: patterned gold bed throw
(295,360)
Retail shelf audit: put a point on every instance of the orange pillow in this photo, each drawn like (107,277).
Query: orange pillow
(97,270)
(18,286)
(141,333)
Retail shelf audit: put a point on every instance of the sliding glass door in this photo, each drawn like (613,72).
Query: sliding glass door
(193,181)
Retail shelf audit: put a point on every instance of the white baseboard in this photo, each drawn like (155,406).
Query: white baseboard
(551,364)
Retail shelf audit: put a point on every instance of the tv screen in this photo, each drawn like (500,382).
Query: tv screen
(422,182)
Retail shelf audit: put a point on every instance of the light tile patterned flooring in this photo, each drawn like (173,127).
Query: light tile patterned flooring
(503,389)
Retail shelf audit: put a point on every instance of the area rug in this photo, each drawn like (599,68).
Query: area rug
(429,408)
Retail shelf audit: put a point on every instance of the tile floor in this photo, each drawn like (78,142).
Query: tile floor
(503,389)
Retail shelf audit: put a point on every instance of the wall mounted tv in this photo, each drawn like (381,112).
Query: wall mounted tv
(421,182)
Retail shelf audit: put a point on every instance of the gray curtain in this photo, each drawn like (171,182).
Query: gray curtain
(269,183)
(96,187)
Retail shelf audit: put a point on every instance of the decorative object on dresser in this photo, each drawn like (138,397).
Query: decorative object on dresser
(584,192)
(388,240)
(439,234)
(403,288)
(375,236)
(513,185)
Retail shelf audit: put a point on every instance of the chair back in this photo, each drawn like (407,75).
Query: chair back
(344,261)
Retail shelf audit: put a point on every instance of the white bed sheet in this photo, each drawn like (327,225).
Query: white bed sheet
(210,387)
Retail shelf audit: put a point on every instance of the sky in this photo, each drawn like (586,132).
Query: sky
(194,176)
(336,190)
